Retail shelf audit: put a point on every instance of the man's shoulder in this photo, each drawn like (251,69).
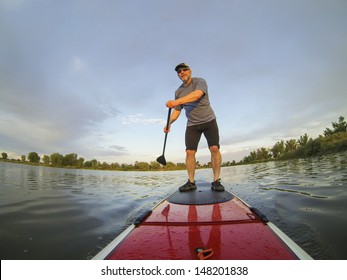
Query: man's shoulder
(198,79)
(195,83)
(199,82)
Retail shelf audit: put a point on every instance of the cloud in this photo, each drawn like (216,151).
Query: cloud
(139,119)
(118,148)
(104,153)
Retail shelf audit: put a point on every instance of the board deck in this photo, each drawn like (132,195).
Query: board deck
(202,224)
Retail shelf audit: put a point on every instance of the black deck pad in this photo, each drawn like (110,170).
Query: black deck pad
(201,196)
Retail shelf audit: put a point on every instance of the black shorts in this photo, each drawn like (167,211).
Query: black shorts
(193,135)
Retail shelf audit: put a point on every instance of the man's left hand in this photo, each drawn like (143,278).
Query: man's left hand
(171,103)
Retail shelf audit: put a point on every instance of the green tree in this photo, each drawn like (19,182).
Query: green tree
(95,163)
(80,162)
(70,160)
(88,164)
(313,147)
(154,165)
(170,166)
(104,166)
(252,157)
(126,167)
(23,158)
(145,166)
(278,149)
(46,160)
(56,160)
(303,141)
(4,155)
(263,154)
(291,145)
(340,126)
(115,166)
(33,157)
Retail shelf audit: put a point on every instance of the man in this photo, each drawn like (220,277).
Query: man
(192,95)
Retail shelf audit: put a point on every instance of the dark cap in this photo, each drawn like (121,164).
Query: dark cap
(181,65)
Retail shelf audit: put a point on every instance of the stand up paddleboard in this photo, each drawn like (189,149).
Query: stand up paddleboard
(202,224)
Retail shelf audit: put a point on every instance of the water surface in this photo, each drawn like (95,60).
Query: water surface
(52,213)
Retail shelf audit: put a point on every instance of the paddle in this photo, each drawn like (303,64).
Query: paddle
(162,159)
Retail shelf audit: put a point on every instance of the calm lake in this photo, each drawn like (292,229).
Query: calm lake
(65,214)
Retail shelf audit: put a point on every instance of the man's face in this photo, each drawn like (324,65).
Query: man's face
(184,74)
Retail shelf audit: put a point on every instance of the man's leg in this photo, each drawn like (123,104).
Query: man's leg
(192,138)
(216,162)
(190,164)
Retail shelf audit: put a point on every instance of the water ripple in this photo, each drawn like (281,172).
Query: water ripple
(51,213)
(292,191)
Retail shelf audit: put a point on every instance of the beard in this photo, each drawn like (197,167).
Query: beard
(185,78)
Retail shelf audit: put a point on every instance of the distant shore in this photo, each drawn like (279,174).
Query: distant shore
(332,141)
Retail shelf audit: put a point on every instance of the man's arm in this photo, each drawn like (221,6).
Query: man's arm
(191,97)
(174,116)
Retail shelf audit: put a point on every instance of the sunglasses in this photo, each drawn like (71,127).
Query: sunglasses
(182,69)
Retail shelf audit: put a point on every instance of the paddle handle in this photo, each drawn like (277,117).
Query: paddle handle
(167,127)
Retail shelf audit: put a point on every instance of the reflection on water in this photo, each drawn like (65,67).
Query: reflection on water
(51,213)
(306,198)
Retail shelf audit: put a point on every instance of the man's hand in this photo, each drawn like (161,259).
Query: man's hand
(174,116)
(171,104)
(167,129)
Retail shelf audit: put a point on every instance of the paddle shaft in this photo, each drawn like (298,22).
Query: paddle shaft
(167,127)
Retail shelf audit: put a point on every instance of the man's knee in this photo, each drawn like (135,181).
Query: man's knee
(214,149)
(190,153)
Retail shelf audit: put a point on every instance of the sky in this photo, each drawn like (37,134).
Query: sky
(92,77)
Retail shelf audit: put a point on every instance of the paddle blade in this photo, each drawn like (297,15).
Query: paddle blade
(161,160)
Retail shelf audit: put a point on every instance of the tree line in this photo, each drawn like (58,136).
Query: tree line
(333,140)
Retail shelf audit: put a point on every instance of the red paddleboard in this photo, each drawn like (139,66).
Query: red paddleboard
(202,224)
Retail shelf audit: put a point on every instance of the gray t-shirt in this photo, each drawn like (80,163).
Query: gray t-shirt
(200,111)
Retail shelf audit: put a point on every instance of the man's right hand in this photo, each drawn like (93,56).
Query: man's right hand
(166,130)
